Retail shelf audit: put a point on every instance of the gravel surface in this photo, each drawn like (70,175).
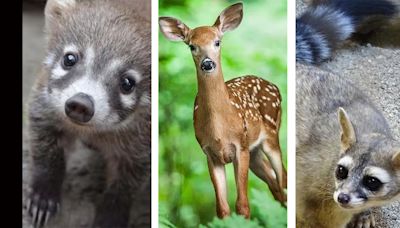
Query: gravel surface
(374,67)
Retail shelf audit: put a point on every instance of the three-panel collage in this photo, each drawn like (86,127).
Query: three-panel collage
(211,113)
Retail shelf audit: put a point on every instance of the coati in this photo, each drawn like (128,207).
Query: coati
(94,86)
(325,24)
(347,160)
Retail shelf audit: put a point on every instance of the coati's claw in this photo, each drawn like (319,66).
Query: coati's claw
(362,220)
(41,209)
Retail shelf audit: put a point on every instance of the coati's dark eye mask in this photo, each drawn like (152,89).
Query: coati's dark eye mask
(372,183)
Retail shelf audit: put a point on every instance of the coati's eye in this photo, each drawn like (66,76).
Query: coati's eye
(217,43)
(372,183)
(341,172)
(70,59)
(127,84)
(192,47)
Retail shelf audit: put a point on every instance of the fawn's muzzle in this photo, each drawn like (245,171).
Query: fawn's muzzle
(80,108)
(207,65)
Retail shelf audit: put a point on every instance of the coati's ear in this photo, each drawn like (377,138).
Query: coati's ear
(348,135)
(396,159)
(55,8)
(230,18)
(173,29)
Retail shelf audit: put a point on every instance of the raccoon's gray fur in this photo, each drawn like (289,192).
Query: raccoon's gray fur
(327,23)
(94,86)
(336,125)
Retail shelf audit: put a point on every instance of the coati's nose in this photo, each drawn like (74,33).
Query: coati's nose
(343,198)
(207,65)
(80,108)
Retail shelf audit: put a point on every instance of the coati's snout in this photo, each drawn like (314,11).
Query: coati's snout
(80,108)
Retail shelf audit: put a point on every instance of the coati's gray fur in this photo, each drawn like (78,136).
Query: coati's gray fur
(110,46)
(325,24)
(334,120)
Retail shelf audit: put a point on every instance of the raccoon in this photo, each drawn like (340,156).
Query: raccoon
(326,24)
(347,160)
(94,87)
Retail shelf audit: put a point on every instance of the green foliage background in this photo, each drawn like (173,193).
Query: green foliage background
(258,47)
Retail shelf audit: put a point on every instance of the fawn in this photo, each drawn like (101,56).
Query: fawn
(237,121)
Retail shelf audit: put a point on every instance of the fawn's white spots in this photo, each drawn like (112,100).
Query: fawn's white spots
(269,119)
(253,93)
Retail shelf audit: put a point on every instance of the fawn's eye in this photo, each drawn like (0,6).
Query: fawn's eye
(217,43)
(70,59)
(127,84)
(372,183)
(341,172)
(192,47)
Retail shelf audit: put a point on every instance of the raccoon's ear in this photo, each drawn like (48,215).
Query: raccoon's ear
(55,8)
(230,18)
(173,29)
(348,135)
(396,159)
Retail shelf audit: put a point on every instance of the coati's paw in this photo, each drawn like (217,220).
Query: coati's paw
(362,220)
(41,206)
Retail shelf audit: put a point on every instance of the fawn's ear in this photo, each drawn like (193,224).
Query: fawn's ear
(348,135)
(173,29)
(230,18)
(396,159)
(55,8)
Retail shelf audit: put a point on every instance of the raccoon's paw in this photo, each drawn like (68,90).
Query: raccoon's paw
(41,206)
(362,220)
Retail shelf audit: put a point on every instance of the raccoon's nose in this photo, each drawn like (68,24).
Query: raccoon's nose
(80,108)
(343,198)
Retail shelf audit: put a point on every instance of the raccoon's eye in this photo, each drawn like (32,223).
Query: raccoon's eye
(372,183)
(217,43)
(341,172)
(70,59)
(192,47)
(127,85)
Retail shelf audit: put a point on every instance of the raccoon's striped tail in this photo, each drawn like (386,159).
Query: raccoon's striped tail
(322,27)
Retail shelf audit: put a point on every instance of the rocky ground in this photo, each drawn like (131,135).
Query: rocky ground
(374,66)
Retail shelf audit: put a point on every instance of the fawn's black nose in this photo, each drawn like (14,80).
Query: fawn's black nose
(207,65)
(80,108)
(343,198)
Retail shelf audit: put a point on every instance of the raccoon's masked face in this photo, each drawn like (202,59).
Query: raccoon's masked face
(99,71)
(367,173)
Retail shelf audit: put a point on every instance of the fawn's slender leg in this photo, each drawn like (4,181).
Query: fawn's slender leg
(272,150)
(218,178)
(241,165)
(261,167)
